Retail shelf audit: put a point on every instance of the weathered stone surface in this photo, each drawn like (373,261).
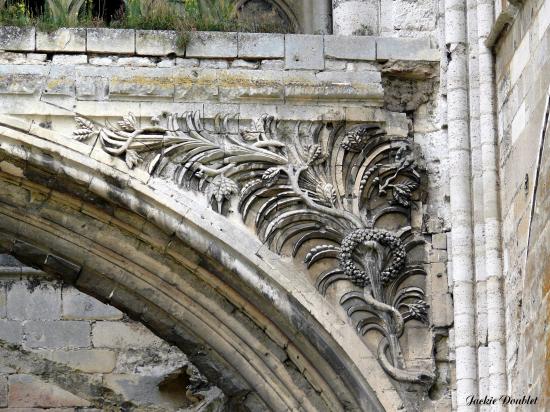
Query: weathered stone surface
(439,241)
(214,64)
(122,335)
(405,49)
(85,360)
(28,391)
(11,331)
(144,390)
(193,85)
(17,38)
(57,334)
(245,84)
(3,300)
(157,43)
(261,45)
(62,40)
(142,82)
(111,41)
(273,64)
(350,47)
(304,52)
(78,306)
(187,62)
(70,59)
(135,62)
(3,391)
(244,64)
(34,300)
(212,44)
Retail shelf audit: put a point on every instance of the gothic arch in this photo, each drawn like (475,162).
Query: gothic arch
(259,335)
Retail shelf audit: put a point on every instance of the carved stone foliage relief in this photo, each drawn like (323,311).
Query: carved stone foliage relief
(341,197)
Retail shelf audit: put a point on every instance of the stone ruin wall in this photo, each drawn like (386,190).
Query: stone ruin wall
(523,84)
(105,74)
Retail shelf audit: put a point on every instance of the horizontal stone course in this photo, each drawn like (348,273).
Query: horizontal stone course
(305,52)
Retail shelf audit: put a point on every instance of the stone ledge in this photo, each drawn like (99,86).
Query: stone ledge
(304,52)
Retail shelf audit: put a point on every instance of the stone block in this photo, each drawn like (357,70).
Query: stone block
(390,48)
(167,62)
(157,43)
(439,240)
(273,64)
(350,47)
(57,334)
(304,52)
(109,334)
(102,61)
(36,58)
(92,88)
(11,331)
(27,391)
(196,85)
(143,389)
(70,59)
(62,40)
(85,360)
(77,305)
(235,85)
(135,62)
(335,64)
(261,45)
(187,62)
(359,78)
(142,82)
(116,41)
(244,64)
(17,38)
(214,64)
(212,44)
(29,300)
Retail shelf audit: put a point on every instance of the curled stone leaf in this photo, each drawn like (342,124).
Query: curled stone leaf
(132,158)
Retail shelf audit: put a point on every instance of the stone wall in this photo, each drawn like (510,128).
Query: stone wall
(102,75)
(63,349)
(523,81)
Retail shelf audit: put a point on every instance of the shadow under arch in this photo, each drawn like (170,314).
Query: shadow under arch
(261,335)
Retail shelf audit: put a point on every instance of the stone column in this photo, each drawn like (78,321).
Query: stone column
(355,17)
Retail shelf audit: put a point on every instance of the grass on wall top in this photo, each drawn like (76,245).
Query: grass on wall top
(182,16)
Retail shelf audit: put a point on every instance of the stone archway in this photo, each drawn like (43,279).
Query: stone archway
(248,326)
